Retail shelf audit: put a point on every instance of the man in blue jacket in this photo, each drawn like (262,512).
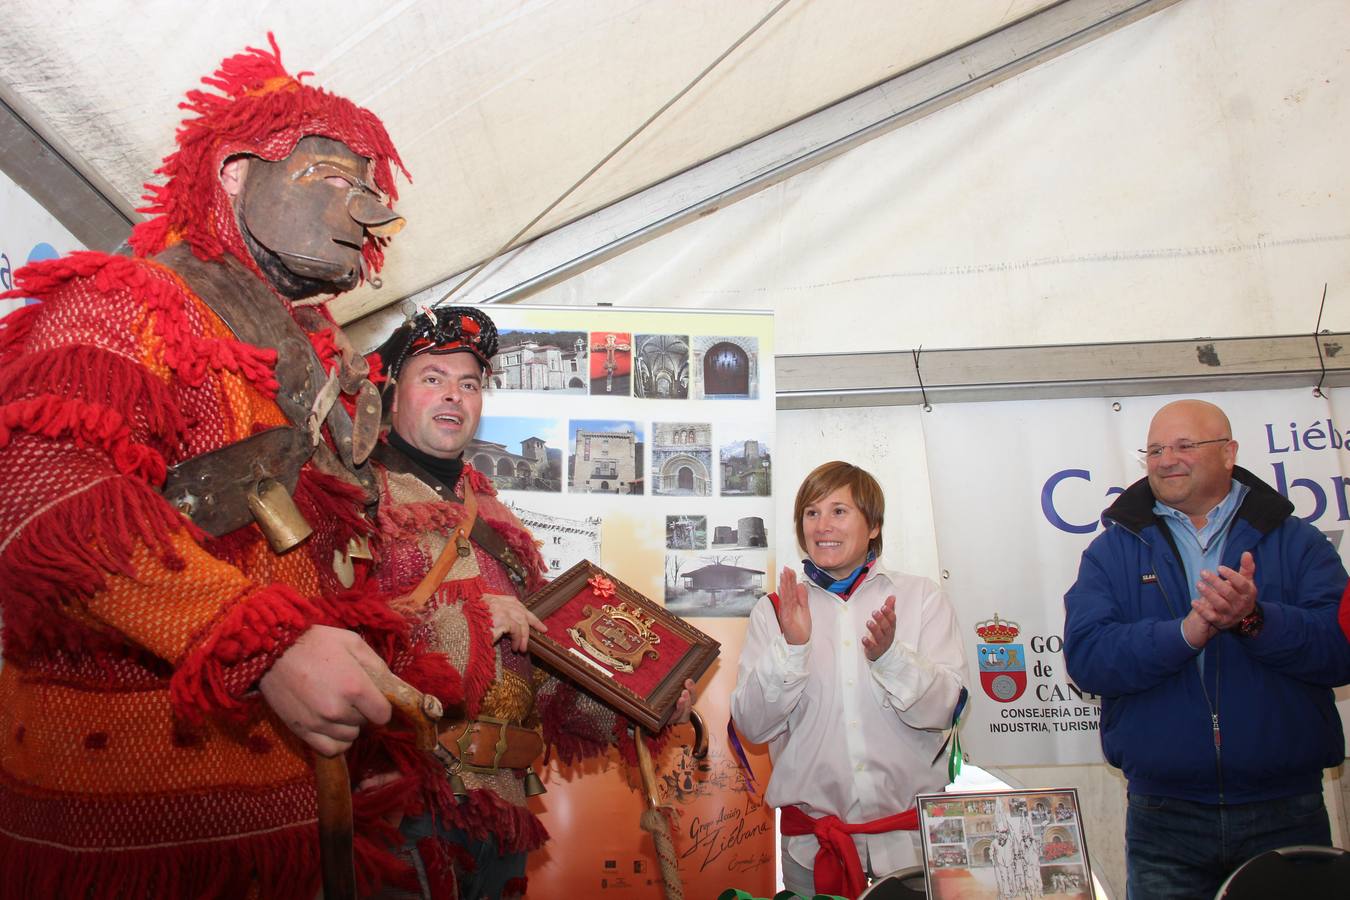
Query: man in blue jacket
(1205,617)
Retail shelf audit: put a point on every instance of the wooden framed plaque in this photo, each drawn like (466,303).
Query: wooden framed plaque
(617,645)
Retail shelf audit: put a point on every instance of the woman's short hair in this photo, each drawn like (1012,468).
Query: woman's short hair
(827,478)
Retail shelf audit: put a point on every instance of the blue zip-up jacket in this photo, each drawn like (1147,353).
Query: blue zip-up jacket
(1262,724)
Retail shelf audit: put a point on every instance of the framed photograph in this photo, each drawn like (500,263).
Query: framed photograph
(1003,845)
(617,645)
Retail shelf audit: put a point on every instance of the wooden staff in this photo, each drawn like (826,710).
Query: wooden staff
(337,860)
(654,822)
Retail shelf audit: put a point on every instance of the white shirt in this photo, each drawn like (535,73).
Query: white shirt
(849,737)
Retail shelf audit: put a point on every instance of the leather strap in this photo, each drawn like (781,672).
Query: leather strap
(256,316)
(212,488)
(488,745)
(482,534)
(456,546)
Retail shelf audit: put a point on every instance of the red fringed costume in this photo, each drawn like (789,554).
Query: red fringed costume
(136,757)
(414,524)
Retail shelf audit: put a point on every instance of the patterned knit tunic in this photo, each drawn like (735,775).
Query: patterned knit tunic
(136,757)
(414,524)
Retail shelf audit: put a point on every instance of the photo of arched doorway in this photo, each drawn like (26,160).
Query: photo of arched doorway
(726,371)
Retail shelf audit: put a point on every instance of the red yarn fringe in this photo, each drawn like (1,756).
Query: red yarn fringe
(277,865)
(263,624)
(431,673)
(623,740)
(483,813)
(439,861)
(481,484)
(557,715)
(88,425)
(68,551)
(99,378)
(328,499)
(481,668)
(15,328)
(515,887)
(190,354)
(409,521)
(164,294)
(325,348)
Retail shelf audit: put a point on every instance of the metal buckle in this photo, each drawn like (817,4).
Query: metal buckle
(466,740)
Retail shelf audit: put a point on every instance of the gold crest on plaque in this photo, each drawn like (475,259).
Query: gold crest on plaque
(619,636)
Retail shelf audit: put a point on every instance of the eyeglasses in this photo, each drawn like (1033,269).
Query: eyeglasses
(1181,448)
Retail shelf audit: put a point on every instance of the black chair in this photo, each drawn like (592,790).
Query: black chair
(903,884)
(1299,873)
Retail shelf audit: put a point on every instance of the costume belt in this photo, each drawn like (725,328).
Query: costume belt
(486,746)
(837,869)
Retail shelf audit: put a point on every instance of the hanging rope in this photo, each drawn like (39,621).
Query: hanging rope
(654,822)
(1317,341)
(923,391)
(612,153)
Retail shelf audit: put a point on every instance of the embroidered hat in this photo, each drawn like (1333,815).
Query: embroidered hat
(444,329)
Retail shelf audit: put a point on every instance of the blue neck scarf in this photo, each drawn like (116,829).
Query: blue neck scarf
(842,586)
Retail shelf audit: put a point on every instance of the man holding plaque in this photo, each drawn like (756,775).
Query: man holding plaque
(850,675)
(438,513)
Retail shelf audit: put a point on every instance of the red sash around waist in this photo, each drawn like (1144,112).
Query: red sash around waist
(838,870)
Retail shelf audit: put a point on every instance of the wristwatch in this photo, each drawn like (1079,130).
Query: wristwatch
(1250,625)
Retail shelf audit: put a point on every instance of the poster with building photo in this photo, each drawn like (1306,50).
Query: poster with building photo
(635,407)
(606,456)
(747,466)
(519,454)
(636,417)
(682,459)
(686,532)
(726,367)
(545,361)
(719,583)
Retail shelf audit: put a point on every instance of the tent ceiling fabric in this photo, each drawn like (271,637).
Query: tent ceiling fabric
(496,108)
(1181,177)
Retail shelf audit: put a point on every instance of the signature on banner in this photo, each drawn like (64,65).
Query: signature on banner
(710,838)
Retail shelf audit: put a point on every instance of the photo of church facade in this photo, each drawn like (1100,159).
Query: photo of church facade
(537,467)
(682,459)
(541,361)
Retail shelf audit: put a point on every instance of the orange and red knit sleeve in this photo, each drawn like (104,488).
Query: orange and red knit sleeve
(93,382)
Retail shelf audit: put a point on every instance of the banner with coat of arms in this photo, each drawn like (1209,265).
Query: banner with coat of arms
(1018,490)
(1003,670)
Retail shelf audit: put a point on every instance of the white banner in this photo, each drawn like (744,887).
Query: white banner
(28,233)
(1018,489)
